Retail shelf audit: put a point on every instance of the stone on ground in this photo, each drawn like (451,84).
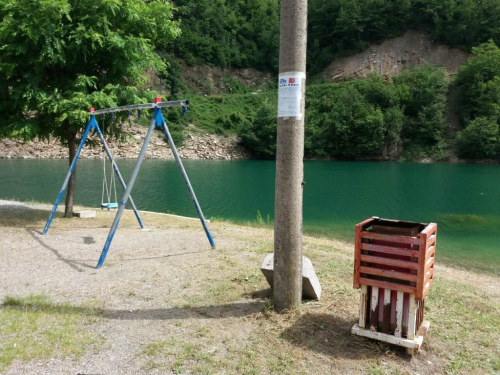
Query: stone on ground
(85,214)
(311,288)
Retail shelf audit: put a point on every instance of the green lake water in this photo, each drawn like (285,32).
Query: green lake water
(463,199)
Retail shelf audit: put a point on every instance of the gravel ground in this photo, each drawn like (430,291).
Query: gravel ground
(167,285)
(144,285)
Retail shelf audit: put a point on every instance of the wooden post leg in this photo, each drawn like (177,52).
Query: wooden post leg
(363,300)
(412,322)
(399,315)
(374,309)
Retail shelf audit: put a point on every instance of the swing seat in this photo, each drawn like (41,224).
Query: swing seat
(108,205)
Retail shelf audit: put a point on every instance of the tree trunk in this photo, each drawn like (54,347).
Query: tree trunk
(70,193)
(287,280)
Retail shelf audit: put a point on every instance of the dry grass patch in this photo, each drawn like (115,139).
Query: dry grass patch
(209,311)
(35,328)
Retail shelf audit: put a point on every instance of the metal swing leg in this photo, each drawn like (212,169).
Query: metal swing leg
(126,195)
(186,179)
(158,120)
(118,174)
(90,125)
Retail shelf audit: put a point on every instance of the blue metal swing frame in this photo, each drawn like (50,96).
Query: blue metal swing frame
(157,121)
(92,125)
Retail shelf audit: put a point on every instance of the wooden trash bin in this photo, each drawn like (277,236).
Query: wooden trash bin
(394,270)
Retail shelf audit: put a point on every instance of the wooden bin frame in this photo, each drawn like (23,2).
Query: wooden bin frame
(416,281)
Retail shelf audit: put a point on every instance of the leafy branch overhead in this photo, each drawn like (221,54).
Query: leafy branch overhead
(60,57)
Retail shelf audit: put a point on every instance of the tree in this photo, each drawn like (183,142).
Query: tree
(60,57)
(423,91)
(480,139)
(260,135)
(479,82)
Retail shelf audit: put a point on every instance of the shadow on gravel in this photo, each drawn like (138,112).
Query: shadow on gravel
(20,216)
(230,310)
(35,235)
(234,310)
(330,335)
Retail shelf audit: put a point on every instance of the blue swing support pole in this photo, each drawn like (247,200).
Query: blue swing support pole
(159,121)
(92,124)
(118,174)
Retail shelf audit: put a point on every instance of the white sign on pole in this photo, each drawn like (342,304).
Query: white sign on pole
(290,94)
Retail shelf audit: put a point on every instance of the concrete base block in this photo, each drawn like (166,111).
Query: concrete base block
(311,288)
(85,214)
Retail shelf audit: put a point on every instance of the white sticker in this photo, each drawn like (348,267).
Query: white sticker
(290,94)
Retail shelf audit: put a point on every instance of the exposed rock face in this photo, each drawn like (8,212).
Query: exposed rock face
(196,146)
(391,56)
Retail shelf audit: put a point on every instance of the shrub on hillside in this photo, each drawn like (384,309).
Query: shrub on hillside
(480,139)
(259,136)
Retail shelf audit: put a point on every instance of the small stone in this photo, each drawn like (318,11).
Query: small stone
(311,288)
(85,214)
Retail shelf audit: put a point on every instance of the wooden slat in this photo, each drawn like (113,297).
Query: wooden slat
(390,250)
(386,325)
(385,284)
(421,262)
(431,240)
(429,229)
(430,252)
(389,262)
(363,299)
(412,344)
(428,264)
(427,286)
(399,315)
(428,276)
(357,253)
(412,317)
(388,273)
(366,223)
(390,238)
(374,309)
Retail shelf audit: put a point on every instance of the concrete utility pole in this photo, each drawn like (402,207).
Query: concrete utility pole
(287,284)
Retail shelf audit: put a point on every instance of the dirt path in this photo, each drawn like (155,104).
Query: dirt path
(171,304)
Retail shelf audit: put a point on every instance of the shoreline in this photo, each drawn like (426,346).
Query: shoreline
(460,263)
(197,145)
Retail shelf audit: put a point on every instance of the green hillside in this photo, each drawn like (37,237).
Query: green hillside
(58,64)
(377,118)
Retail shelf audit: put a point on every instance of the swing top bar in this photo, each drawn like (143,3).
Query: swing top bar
(157,104)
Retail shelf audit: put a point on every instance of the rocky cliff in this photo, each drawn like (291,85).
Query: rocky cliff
(196,146)
(393,55)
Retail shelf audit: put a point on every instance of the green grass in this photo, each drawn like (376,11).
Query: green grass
(36,328)
(466,323)
(216,113)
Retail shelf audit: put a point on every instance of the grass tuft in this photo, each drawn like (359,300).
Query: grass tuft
(36,328)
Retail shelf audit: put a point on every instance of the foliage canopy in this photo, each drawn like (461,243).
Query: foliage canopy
(60,57)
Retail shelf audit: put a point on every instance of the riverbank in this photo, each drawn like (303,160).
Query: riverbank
(165,302)
(197,145)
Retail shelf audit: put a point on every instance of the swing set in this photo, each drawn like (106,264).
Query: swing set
(107,204)
(157,121)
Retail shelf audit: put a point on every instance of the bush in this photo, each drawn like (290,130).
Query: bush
(479,139)
(259,135)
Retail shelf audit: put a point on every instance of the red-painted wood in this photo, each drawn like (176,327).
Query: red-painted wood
(390,262)
(405,258)
(390,238)
(385,284)
(388,273)
(390,250)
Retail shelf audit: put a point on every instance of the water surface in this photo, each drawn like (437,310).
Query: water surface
(463,199)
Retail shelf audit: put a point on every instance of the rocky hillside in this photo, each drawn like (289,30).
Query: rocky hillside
(390,57)
(196,146)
